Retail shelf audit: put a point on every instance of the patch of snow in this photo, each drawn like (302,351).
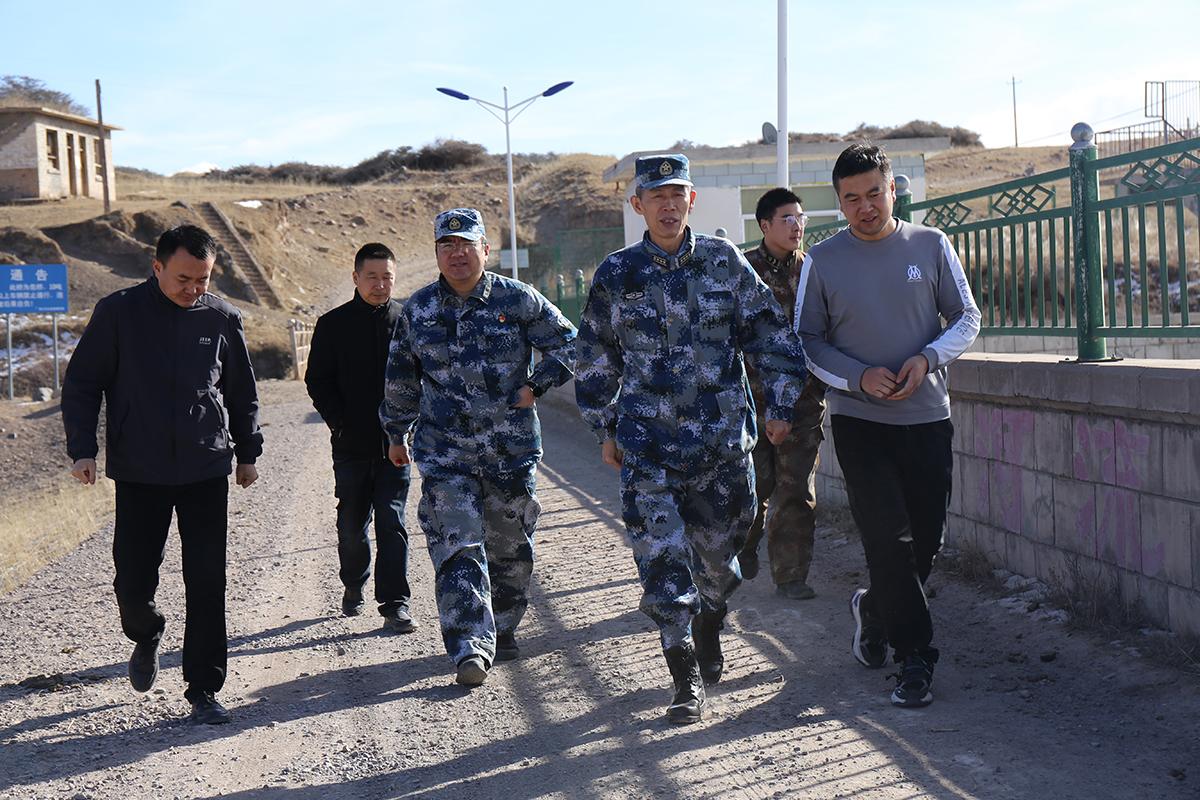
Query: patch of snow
(248,203)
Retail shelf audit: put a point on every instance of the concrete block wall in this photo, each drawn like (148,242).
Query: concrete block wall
(1098,462)
(1124,347)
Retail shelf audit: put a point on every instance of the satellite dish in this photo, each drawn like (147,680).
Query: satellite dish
(770,135)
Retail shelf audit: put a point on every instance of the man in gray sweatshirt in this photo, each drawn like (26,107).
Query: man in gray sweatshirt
(882,308)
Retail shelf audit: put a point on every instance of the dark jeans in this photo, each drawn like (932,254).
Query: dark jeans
(898,482)
(139,542)
(367,487)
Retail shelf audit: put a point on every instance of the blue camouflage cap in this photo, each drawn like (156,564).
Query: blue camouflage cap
(661,170)
(465,223)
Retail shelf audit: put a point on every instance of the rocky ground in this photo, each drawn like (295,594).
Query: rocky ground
(329,707)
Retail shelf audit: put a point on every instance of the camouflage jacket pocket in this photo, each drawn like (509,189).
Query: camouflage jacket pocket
(431,344)
(638,325)
(714,316)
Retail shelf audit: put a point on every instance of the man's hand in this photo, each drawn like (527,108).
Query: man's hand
(777,431)
(84,471)
(525,397)
(398,454)
(879,382)
(912,372)
(245,474)
(610,454)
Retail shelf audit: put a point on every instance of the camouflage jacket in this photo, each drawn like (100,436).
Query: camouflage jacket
(455,367)
(661,343)
(782,278)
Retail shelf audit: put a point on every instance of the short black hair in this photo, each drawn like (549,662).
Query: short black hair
(370,251)
(197,241)
(858,158)
(771,200)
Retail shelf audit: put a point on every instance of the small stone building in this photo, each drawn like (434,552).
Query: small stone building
(729,181)
(46,154)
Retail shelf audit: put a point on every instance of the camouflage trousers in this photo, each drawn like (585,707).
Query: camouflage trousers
(686,529)
(786,477)
(479,532)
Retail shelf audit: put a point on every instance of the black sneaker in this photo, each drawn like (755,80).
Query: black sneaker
(398,620)
(143,666)
(914,683)
(352,602)
(472,671)
(206,710)
(869,644)
(506,646)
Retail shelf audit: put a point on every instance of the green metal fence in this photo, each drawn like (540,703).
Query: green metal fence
(1112,261)
(570,298)
(561,268)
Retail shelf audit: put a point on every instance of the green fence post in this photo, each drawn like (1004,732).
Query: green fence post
(560,289)
(1085,235)
(903,198)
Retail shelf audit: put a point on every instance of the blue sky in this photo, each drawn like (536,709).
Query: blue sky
(265,82)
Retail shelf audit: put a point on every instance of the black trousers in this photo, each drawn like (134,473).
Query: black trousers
(366,488)
(898,482)
(143,520)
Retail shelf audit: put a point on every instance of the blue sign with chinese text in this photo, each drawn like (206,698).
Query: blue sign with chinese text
(33,288)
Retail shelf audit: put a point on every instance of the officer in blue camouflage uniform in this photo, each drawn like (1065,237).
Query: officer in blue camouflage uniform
(662,385)
(459,384)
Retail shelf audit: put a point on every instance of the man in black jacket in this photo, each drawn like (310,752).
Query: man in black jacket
(345,381)
(170,362)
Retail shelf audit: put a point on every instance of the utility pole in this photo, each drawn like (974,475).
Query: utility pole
(103,150)
(781,142)
(1014,93)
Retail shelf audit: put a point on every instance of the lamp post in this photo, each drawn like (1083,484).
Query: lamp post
(507,119)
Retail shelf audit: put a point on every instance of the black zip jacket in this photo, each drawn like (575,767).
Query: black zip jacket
(345,374)
(176,381)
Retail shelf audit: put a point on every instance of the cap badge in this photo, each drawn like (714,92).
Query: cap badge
(454,224)
(665,168)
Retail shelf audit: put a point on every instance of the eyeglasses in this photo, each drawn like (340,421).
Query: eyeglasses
(460,246)
(792,219)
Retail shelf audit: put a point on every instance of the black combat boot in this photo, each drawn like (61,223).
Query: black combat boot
(706,631)
(688,701)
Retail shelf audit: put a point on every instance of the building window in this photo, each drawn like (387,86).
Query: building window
(52,148)
(97,159)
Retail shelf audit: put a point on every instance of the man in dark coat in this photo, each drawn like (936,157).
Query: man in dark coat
(345,381)
(171,363)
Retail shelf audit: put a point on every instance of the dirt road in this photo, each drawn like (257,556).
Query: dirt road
(328,708)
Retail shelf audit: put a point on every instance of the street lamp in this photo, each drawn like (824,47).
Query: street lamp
(507,119)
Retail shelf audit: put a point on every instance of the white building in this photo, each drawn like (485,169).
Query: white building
(729,181)
(46,153)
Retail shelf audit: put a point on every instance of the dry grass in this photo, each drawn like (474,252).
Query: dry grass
(47,524)
(1093,603)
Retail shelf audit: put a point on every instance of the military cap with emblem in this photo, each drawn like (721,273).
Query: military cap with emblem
(465,223)
(661,170)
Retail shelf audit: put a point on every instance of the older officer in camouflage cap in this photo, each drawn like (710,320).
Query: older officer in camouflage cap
(662,385)
(459,382)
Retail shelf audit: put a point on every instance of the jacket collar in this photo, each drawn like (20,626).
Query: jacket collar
(362,305)
(775,263)
(157,293)
(687,249)
(481,292)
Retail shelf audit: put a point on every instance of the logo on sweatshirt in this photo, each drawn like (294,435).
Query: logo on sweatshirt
(205,340)
(914,273)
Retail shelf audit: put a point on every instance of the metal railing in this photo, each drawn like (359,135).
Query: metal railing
(569,301)
(1099,267)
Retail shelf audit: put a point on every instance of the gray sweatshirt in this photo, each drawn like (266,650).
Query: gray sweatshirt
(863,304)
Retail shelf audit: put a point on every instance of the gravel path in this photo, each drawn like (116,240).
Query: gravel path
(331,708)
